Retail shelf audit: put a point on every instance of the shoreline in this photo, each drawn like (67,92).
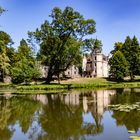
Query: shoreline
(87,84)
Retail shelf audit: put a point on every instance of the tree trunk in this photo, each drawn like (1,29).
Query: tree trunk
(58,76)
(49,77)
(131,76)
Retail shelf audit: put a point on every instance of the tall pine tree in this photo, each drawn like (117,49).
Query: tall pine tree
(118,66)
(131,51)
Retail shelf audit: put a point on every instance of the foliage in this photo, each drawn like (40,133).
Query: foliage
(1,10)
(11,114)
(25,68)
(5,40)
(60,39)
(117,47)
(24,71)
(93,45)
(130,119)
(131,51)
(118,66)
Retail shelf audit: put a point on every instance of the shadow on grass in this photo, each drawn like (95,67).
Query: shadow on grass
(121,81)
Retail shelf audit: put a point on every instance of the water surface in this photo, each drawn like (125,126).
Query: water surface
(75,115)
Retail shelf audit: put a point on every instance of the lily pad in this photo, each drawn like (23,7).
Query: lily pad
(125,107)
(131,131)
(135,137)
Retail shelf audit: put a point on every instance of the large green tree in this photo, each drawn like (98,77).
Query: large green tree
(60,39)
(131,51)
(5,41)
(118,66)
(24,68)
(4,62)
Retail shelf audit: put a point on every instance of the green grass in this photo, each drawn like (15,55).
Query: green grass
(80,83)
(86,83)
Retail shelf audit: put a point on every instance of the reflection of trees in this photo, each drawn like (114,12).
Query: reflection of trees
(15,109)
(5,113)
(98,127)
(123,97)
(130,119)
(61,121)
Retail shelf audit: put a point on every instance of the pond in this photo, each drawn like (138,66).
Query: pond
(76,115)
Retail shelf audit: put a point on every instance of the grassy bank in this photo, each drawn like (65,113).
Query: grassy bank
(85,83)
(80,83)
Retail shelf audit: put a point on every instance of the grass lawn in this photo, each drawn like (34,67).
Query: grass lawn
(77,83)
(80,83)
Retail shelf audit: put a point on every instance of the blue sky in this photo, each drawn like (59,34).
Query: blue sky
(115,19)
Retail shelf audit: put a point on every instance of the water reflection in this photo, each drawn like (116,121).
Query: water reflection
(70,116)
(16,110)
(131,119)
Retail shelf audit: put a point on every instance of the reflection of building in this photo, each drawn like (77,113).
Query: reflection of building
(99,100)
(95,65)
(96,101)
(40,97)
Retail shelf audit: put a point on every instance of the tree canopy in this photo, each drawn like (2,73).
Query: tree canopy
(61,38)
(128,51)
(93,45)
(1,10)
(25,68)
(5,40)
(118,66)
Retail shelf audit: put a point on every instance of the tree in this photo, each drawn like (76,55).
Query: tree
(118,66)
(25,69)
(94,45)
(5,41)
(5,38)
(118,46)
(60,39)
(131,51)
(1,10)
(4,62)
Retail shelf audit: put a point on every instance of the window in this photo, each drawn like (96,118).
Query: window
(75,72)
(68,73)
(95,58)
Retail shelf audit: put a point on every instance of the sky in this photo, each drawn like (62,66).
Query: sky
(115,19)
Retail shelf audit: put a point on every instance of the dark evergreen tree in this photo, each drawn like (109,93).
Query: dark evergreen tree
(118,66)
(25,68)
(131,51)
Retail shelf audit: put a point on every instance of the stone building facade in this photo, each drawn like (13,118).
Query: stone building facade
(95,65)
(71,72)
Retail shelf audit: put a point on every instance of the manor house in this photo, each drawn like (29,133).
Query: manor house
(95,64)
